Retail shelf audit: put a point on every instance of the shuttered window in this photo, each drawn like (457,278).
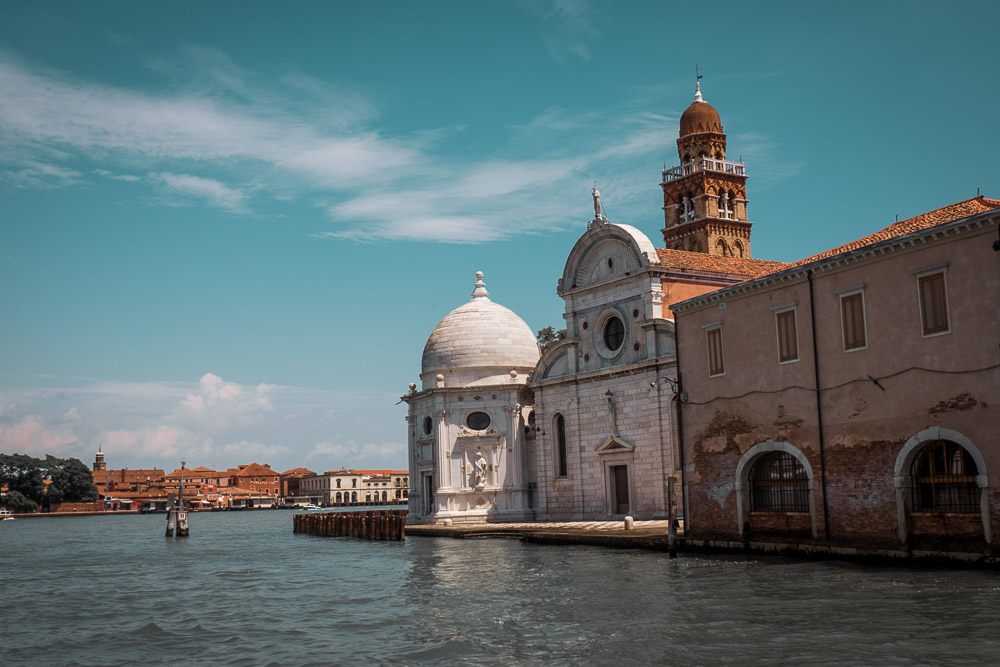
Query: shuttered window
(788,342)
(716,365)
(852,308)
(933,304)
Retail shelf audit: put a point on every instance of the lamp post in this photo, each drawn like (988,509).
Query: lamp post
(675,388)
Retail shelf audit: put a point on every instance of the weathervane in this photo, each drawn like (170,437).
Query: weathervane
(697,72)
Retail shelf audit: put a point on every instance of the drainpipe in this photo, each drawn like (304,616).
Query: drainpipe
(680,428)
(819,407)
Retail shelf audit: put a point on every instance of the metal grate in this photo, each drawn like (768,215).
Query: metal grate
(778,483)
(944,479)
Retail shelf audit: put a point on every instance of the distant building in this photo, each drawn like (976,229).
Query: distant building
(355,487)
(260,480)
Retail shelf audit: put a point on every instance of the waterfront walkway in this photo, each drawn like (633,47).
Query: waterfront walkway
(642,535)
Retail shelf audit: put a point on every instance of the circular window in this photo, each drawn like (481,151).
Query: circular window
(428,425)
(614,333)
(478,421)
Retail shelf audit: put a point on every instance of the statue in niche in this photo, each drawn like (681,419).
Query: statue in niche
(480,464)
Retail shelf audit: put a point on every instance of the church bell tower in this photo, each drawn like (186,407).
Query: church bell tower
(705,198)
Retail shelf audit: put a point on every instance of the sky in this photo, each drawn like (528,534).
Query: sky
(227,228)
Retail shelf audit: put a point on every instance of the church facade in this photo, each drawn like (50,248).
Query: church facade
(588,430)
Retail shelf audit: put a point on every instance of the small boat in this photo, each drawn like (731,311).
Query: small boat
(311,507)
(6,515)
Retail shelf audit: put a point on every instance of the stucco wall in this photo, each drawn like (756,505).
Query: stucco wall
(866,425)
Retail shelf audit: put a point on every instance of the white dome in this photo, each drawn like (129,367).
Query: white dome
(479,343)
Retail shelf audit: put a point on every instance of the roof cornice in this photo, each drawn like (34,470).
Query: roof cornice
(955,227)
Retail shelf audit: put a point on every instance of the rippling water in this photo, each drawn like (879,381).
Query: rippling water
(244,590)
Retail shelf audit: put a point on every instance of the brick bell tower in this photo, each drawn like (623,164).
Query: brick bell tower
(705,198)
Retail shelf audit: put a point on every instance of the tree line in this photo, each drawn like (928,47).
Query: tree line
(25,478)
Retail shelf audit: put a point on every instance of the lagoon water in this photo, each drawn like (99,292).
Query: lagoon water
(244,590)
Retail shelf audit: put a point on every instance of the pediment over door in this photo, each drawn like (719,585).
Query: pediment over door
(615,445)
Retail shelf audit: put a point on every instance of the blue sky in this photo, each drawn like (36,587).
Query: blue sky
(226,229)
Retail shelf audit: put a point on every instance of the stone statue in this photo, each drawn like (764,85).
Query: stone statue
(480,464)
(597,204)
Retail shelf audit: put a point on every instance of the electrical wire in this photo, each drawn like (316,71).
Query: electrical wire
(867,378)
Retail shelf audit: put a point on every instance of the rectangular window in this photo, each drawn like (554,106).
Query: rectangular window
(716,365)
(852,309)
(788,341)
(933,304)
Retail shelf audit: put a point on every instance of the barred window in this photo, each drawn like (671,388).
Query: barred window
(779,483)
(852,308)
(561,445)
(716,365)
(933,304)
(944,479)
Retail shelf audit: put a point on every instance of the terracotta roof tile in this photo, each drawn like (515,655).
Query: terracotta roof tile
(950,213)
(700,261)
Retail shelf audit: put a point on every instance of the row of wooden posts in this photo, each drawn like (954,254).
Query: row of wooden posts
(372,525)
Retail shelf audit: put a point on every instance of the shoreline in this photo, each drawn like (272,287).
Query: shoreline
(648,535)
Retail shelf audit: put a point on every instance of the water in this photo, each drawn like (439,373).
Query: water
(244,590)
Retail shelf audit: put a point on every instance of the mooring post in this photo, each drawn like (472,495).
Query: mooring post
(170,522)
(671,520)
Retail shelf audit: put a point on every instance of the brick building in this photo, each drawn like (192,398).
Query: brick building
(851,399)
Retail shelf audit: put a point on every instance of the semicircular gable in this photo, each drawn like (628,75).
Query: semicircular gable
(606,251)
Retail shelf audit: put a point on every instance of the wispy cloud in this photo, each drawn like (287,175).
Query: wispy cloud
(128,178)
(208,190)
(216,134)
(572,26)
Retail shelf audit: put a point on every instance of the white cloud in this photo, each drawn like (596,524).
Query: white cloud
(209,190)
(38,175)
(220,404)
(32,435)
(128,178)
(245,449)
(375,454)
(156,424)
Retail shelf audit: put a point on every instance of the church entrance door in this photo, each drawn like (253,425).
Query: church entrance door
(428,495)
(619,477)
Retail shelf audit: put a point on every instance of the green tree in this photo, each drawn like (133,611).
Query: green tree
(548,337)
(16,501)
(23,474)
(72,480)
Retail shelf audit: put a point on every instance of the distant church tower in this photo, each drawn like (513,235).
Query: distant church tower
(99,460)
(705,198)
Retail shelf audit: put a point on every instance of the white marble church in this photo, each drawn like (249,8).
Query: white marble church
(498,432)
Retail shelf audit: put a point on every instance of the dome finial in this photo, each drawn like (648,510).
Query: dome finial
(697,91)
(480,291)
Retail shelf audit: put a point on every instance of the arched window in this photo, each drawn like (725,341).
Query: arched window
(561,446)
(778,483)
(354,496)
(339,498)
(385,496)
(354,483)
(737,249)
(723,249)
(338,483)
(944,479)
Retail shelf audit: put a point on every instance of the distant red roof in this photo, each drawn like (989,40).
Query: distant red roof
(950,213)
(254,469)
(700,261)
(297,472)
(382,473)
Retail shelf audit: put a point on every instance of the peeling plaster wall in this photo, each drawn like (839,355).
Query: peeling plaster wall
(865,425)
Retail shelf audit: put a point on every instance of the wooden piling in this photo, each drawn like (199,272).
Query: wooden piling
(371,525)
